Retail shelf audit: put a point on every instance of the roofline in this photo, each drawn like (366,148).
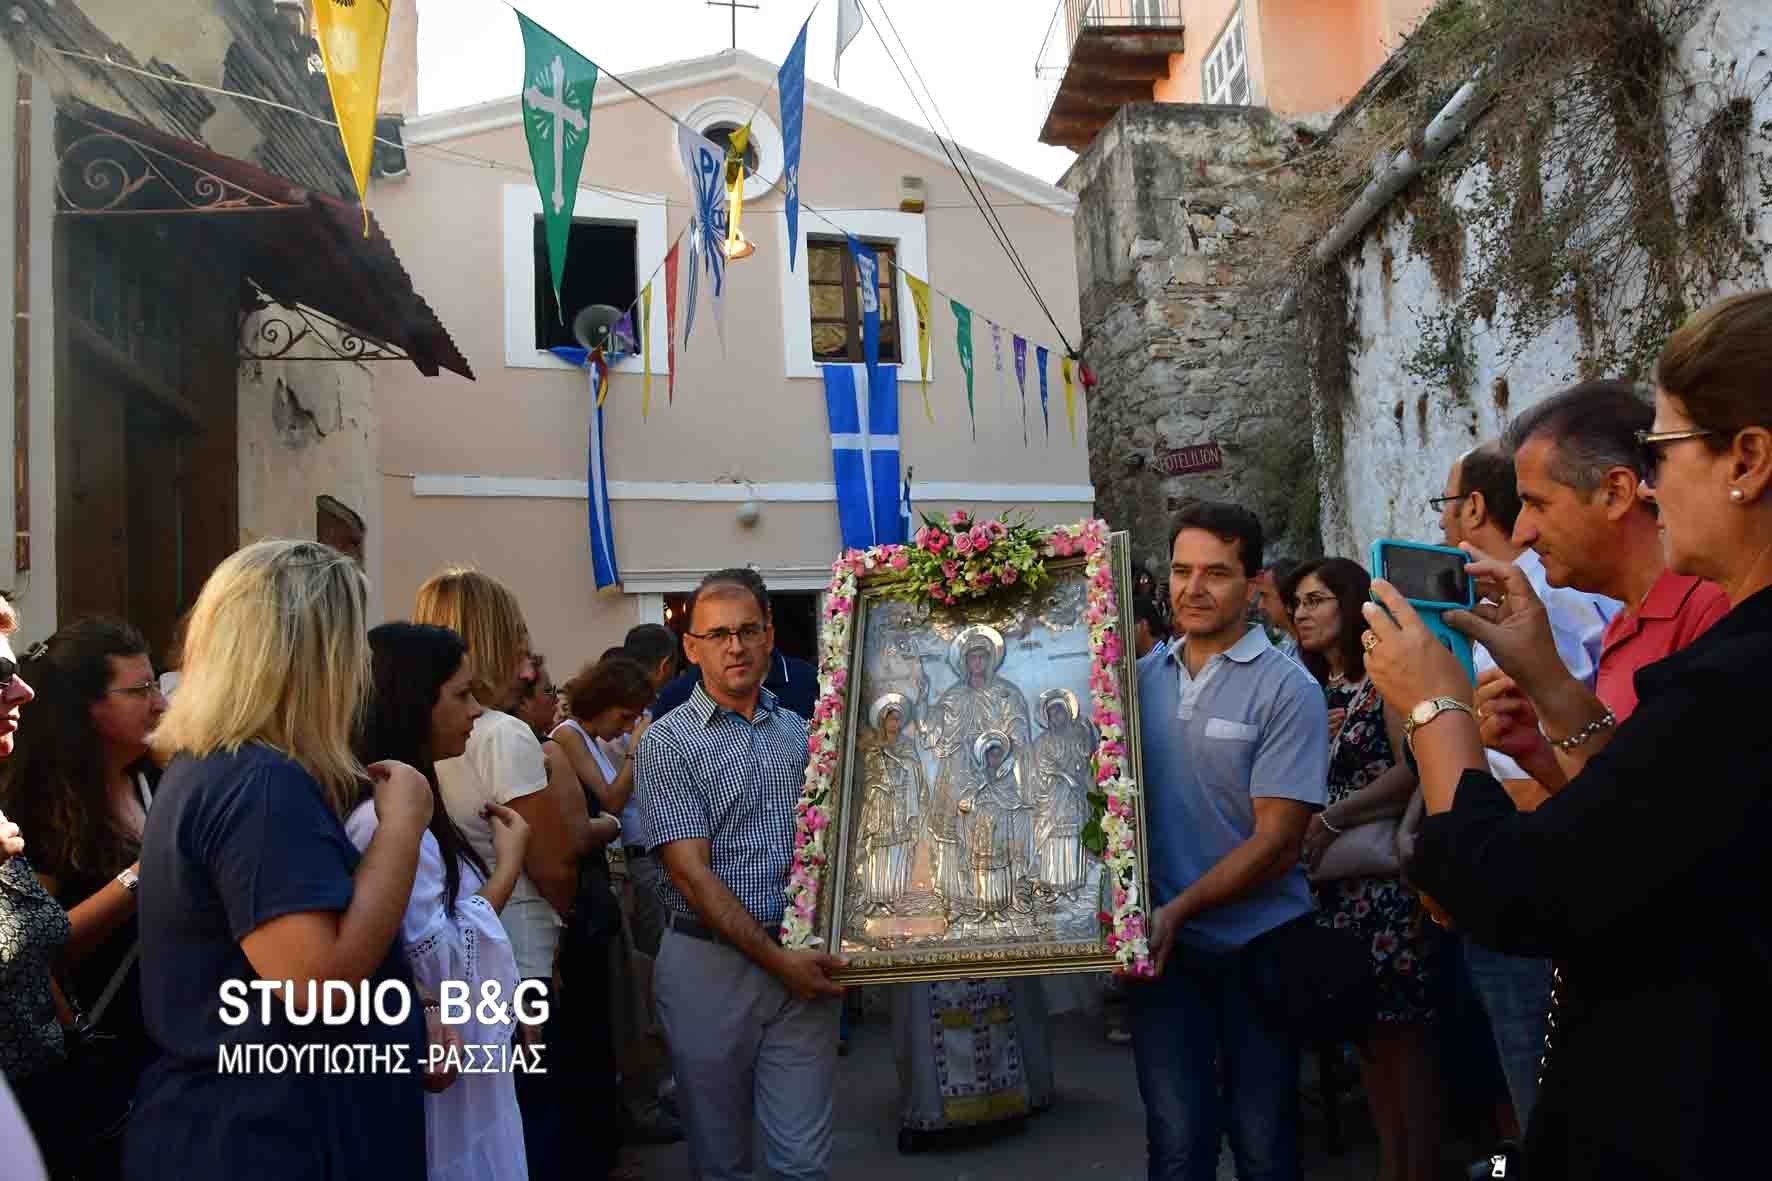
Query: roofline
(656,80)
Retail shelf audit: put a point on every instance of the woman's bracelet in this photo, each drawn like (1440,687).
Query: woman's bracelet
(1605,721)
(1324,817)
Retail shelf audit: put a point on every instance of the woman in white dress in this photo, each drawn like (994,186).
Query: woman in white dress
(421,710)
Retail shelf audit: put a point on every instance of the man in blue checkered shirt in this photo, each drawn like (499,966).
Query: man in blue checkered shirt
(752,1026)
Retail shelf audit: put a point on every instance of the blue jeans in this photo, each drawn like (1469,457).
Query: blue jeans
(1516,994)
(1182,1023)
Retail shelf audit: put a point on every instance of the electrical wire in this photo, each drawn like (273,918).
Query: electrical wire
(995,224)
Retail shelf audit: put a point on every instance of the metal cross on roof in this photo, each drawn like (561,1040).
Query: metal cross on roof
(734,5)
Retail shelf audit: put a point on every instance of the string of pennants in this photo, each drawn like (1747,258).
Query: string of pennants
(557,102)
(558,86)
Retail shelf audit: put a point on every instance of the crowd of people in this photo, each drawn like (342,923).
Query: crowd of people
(1556,856)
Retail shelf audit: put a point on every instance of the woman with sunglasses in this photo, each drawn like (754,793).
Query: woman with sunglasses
(1644,877)
(80,784)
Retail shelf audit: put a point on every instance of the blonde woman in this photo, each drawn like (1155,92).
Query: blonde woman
(504,763)
(247,876)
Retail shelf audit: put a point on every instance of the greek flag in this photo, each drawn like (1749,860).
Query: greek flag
(602,525)
(864,454)
(603,567)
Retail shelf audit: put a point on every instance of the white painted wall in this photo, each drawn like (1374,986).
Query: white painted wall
(307,429)
(33,593)
(1388,468)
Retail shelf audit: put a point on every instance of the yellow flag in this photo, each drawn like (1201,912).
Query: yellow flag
(920,301)
(735,185)
(352,34)
(645,351)
(1070,414)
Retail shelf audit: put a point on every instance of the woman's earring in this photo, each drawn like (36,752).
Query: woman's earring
(1736,494)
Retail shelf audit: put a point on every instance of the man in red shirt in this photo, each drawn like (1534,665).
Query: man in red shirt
(1578,467)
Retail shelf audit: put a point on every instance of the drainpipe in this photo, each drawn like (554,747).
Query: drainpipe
(1446,127)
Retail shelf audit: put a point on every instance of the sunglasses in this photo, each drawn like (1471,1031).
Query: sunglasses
(1652,446)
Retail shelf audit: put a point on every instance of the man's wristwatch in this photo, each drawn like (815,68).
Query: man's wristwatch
(127,879)
(1427,711)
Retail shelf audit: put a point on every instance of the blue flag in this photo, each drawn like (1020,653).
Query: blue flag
(602,525)
(791,81)
(1040,355)
(867,275)
(864,455)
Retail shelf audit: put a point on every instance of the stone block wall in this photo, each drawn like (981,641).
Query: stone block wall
(1187,348)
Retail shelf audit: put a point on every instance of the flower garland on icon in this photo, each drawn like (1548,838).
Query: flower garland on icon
(950,561)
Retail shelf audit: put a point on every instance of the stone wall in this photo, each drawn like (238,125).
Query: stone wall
(1398,433)
(1187,349)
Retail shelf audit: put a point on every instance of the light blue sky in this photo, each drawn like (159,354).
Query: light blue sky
(976,55)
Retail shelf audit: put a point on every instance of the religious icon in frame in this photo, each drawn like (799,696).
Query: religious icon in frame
(980,812)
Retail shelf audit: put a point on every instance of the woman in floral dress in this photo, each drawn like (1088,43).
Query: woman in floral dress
(1368,783)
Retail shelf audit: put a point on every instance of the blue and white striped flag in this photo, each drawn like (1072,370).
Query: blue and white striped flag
(602,525)
(864,454)
(603,567)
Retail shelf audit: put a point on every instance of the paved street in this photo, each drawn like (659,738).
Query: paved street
(1096,1128)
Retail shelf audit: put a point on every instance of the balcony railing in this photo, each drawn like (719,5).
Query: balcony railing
(1107,29)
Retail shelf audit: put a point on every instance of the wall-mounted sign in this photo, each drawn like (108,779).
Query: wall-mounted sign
(1186,461)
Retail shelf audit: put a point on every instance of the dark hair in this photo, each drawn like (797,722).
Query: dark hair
(610,683)
(1489,469)
(1348,581)
(1716,365)
(741,576)
(652,644)
(616,653)
(55,785)
(1227,522)
(1282,569)
(409,665)
(1145,610)
(1592,428)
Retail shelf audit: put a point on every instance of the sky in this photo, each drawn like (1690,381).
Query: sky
(977,56)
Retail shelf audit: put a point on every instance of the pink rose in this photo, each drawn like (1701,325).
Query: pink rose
(998,529)
(1010,576)
(958,518)
(981,537)
(950,569)
(899,561)
(986,578)
(963,542)
(840,678)
(935,541)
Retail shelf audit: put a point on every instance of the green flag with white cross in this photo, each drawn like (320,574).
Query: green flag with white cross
(557,86)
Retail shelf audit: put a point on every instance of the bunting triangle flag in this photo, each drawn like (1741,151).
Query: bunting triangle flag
(920,305)
(645,351)
(1070,414)
(352,35)
(867,277)
(735,150)
(557,86)
(704,163)
(1040,354)
(1021,379)
(791,89)
(997,356)
(848,27)
(963,342)
(670,269)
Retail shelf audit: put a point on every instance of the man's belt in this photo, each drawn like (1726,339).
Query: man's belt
(633,850)
(684,925)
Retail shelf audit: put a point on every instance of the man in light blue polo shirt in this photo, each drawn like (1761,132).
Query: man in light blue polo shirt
(1236,753)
